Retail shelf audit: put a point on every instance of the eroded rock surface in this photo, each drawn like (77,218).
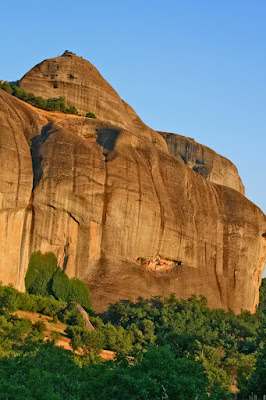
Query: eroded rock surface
(103,192)
(204,161)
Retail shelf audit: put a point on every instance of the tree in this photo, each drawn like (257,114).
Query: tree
(257,383)
(90,115)
(7,88)
(72,110)
(39,276)
(177,378)
(70,290)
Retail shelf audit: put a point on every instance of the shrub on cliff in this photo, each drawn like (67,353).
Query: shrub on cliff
(90,115)
(72,110)
(52,104)
(56,104)
(39,102)
(6,87)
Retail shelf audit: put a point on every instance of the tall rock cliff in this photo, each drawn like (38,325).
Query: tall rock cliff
(100,193)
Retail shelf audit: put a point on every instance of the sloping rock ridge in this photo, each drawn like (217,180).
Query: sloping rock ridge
(107,196)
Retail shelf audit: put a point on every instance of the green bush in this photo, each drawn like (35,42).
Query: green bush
(90,115)
(6,87)
(72,316)
(118,339)
(60,286)
(55,336)
(91,342)
(40,273)
(49,305)
(39,102)
(9,299)
(27,302)
(55,318)
(70,290)
(79,292)
(72,110)
(39,326)
(45,278)
(52,104)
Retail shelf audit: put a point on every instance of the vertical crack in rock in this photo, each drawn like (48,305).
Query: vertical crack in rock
(26,239)
(74,169)
(139,199)
(105,196)
(162,219)
(19,161)
(106,138)
(71,216)
(217,280)
(36,156)
(226,257)
(162,222)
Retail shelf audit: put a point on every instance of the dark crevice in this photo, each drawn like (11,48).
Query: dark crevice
(105,197)
(65,262)
(36,143)
(69,213)
(71,216)
(107,137)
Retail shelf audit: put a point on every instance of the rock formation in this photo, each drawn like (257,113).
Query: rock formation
(100,193)
(204,161)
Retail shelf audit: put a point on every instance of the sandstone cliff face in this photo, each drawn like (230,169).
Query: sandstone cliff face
(204,161)
(17,124)
(81,84)
(101,193)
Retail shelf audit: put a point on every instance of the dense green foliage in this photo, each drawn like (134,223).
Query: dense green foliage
(90,115)
(70,290)
(45,278)
(49,373)
(165,349)
(257,382)
(39,276)
(56,104)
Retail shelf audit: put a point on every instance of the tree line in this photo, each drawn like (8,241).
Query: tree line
(165,348)
(51,104)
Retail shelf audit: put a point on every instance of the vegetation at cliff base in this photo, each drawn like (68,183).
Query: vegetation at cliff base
(165,349)
(44,277)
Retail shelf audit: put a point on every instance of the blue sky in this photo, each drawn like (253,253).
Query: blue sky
(193,67)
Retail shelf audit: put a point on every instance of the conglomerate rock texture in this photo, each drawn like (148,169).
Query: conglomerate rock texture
(102,192)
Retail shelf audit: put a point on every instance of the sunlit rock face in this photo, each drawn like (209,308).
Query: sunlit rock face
(204,161)
(100,193)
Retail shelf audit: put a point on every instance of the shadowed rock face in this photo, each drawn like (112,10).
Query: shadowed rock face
(101,193)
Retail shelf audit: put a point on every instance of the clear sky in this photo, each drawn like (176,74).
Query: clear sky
(193,67)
